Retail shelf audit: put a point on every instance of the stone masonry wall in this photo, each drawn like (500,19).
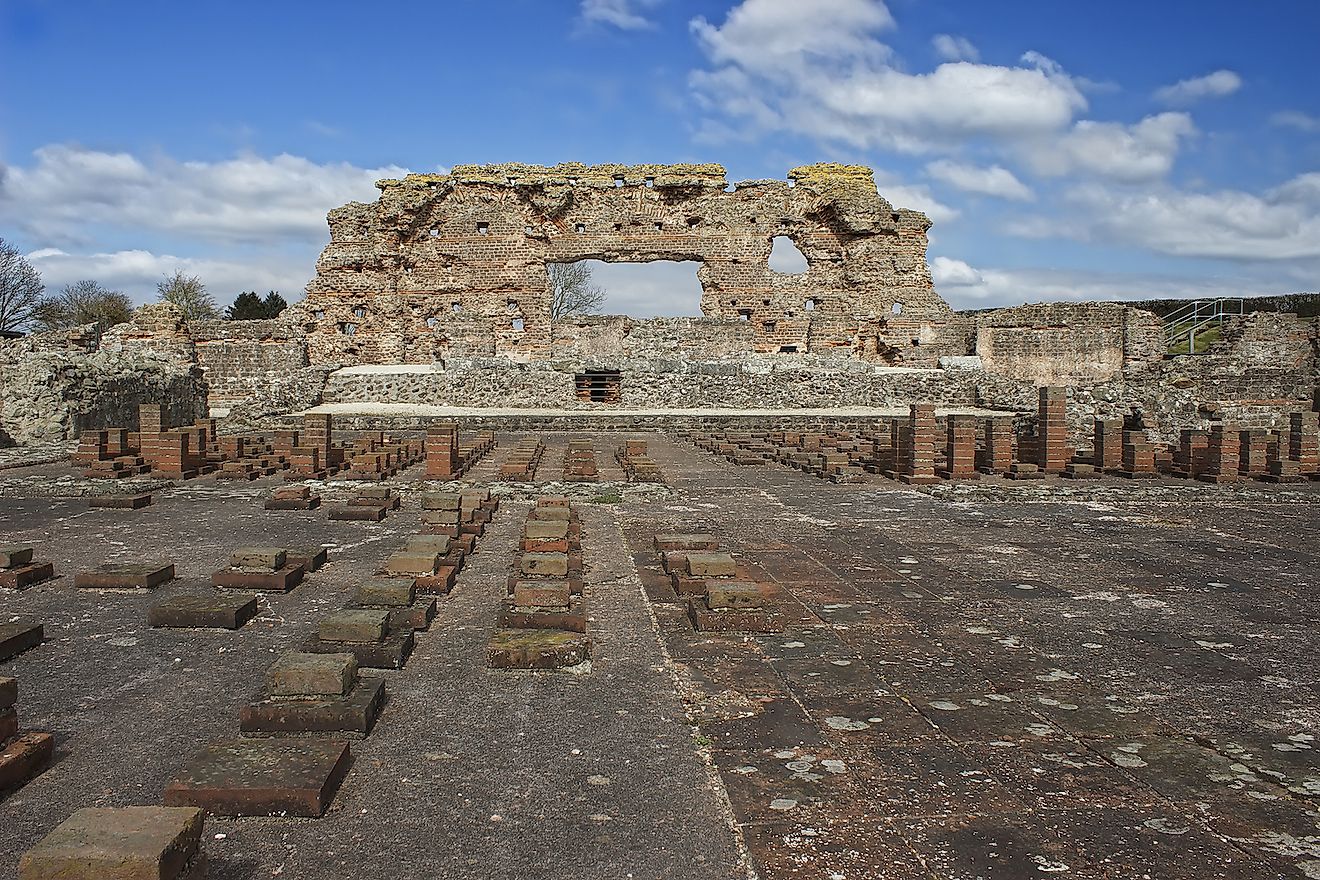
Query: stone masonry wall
(403,278)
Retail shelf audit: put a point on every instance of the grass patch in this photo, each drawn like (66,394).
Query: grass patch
(1204,339)
(607,498)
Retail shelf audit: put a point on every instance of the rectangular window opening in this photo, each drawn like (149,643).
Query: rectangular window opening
(483,229)
(599,386)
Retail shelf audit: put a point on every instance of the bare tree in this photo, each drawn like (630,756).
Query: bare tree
(572,294)
(189,294)
(82,302)
(20,288)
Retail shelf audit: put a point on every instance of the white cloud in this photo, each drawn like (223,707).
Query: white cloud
(1219,84)
(954,48)
(137,271)
(819,69)
(918,197)
(993,181)
(627,15)
(1281,224)
(1296,119)
(1130,153)
(965,286)
(68,190)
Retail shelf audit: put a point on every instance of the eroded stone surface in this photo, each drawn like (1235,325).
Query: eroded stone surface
(124,843)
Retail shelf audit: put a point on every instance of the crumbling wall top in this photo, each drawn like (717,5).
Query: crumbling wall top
(518,174)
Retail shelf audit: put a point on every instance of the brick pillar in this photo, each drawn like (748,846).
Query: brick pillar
(1221,456)
(116,442)
(1190,458)
(998,445)
(1304,441)
(442,450)
(1052,429)
(151,418)
(1138,455)
(960,448)
(919,451)
(1254,447)
(1108,455)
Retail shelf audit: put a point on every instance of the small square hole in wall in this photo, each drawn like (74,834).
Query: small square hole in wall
(517,325)
(599,386)
(618,181)
(809,305)
(788,349)
(483,229)
(435,230)
(359,312)
(916,342)
(348,329)
(456,307)
(768,326)
(765,302)
(511,180)
(432,321)
(693,222)
(529,229)
(896,308)
(659,226)
(744,314)
(579,227)
(318,314)
(650,181)
(511,306)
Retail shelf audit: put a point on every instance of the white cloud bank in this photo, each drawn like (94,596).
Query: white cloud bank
(1219,84)
(248,199)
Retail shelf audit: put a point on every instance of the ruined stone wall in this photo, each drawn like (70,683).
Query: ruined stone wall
(402,279)
(240,359)
(51,390)
(1068,343)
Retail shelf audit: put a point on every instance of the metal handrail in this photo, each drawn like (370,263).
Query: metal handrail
(1196,316)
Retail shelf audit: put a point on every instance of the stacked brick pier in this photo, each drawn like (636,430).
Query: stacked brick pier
(1221,456)
(998,457)
(442,451)
(960,449)
(918,446)
(1052,430)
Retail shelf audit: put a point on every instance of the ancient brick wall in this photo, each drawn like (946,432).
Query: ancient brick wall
(240,358)
(1068,343)
(458,260)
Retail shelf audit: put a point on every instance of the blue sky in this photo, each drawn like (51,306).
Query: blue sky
(1064,150)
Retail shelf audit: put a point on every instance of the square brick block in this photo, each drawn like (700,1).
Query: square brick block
(19,636)
(694,541)
(126,576)
(300,674)
(124,843)
(264,558)
(541,594)
(280,581)
(262,777)
(354,625)
(309,559)
(706,619)
(573,618)
(710,564)
(389,592)
(354,713)
(24,576)
(391,653)
(203,610)
(546,529)
(537,649)
(428,544)
(120,502)
(407,563)
(438,584)
(733,595)
(375,513)
(25,757)
(14,556)
(544,564)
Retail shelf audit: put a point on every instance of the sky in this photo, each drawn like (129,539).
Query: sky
(1064,151)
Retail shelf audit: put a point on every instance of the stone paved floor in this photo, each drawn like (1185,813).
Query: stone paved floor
(1006,686)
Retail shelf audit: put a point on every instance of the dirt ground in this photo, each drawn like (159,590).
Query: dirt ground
(1002,681)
